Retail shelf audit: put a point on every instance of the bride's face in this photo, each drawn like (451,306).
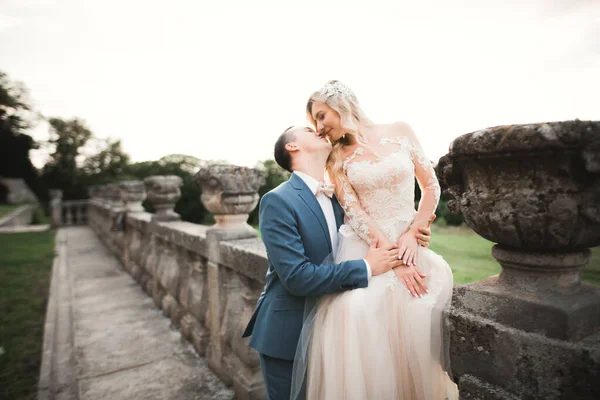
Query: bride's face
(327,120)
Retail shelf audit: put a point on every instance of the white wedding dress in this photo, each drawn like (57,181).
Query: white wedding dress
(379,342)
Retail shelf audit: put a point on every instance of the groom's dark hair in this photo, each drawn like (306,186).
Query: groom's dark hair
(282,156)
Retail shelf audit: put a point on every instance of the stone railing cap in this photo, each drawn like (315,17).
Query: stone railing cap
(527,137)
(131,184)
(162,179)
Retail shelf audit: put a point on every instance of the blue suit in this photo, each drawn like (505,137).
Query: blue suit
(296,236)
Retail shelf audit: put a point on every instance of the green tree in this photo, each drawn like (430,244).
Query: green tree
(15,118)
(275,176)
(108,165)
(14,104)
(67,137)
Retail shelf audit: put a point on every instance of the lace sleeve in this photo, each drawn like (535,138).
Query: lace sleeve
(426,178)
(356,216)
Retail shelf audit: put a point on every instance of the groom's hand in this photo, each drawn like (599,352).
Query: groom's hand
(424,237)
(382,259)
(424,233)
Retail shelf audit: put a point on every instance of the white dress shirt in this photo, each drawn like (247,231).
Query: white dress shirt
(327,208)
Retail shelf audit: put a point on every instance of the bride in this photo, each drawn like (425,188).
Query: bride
(384,341)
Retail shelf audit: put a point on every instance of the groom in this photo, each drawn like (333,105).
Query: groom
(299,221)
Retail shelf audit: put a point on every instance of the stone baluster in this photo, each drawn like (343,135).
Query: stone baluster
(83,213)
(133,194)
(163,193)
(77,213)
(69,213)
(535,191)
(230,193)
(113,191)
(56,207)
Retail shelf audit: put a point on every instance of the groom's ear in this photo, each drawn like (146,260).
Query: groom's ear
(291,147)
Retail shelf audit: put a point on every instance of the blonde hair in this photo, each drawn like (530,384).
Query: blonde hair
(352,119)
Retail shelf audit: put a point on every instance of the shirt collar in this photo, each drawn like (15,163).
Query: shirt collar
(311,182)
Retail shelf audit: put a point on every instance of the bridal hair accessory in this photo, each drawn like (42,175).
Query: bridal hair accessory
(335,88)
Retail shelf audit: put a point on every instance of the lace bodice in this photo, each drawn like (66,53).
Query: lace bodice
(377,191)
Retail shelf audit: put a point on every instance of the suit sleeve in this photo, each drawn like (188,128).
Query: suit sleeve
(285,248)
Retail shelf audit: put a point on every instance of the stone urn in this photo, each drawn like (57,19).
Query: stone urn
(55,196)
(133,193)
(230,193)
(163,193)
(535,191)
(112,193)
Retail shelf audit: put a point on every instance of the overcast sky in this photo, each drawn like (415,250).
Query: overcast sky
(222,79)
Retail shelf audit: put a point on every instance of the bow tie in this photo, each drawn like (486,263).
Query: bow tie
(325,188)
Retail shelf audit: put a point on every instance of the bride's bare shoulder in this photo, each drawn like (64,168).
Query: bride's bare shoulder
(394,130)
(379,131)
(401,127)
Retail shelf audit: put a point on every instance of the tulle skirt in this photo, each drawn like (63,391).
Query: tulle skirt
(378,342)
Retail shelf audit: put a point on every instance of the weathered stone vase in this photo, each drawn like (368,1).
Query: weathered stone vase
(133,194)
(163,193)
(230,193)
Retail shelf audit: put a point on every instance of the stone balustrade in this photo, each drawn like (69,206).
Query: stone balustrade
(206,279)
(67,213)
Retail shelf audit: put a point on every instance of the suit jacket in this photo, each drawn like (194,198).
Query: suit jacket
(295,233)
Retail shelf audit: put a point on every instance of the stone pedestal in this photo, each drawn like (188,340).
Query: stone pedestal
(112,194)
(230,193)
(56,207)
(533,331)
(163,193)
(133,194)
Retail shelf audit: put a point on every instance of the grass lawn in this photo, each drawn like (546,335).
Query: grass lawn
(25,266)
(591,273)
(470,255)
(6,209)
(40,218)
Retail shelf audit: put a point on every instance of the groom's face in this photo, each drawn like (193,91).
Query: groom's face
(309,141)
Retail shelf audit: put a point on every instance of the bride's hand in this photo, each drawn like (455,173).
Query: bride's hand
(407,249)
(412,280)
(384,242)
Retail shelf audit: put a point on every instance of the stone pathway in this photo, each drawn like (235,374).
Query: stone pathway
(105,339)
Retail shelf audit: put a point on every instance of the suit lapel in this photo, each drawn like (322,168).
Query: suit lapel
(312,203)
